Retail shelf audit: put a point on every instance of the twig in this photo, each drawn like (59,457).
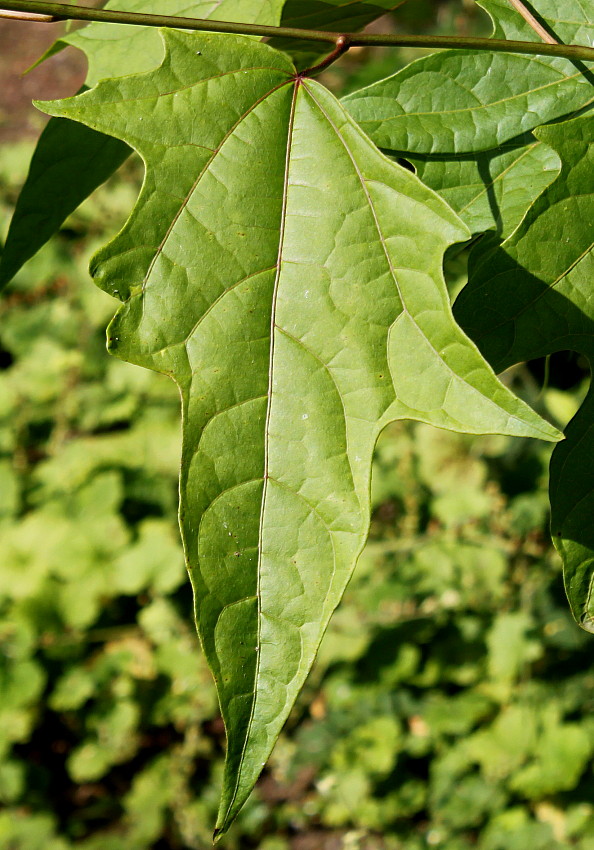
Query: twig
(531,20)
(343,43)
(63,12)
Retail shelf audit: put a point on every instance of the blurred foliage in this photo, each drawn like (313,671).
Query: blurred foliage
(451,704)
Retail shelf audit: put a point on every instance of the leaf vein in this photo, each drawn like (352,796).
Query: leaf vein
(266,433)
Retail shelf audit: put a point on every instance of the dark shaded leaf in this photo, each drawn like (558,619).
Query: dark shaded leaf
(532,297)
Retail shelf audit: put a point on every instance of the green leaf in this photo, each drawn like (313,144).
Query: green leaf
(504,746)
(532,297)
(510,647)
(462,101)
(154,561)
(288,277)
(120,49)
(446,111)
(565,745)
(50,193)
(338,15)
(491,190)
(571,21)
(333,15)
(465,101)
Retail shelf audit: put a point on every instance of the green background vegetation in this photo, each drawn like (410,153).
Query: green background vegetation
(451,704)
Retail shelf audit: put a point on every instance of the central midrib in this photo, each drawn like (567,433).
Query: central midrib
(266,433)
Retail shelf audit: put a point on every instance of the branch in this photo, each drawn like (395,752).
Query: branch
(63,12)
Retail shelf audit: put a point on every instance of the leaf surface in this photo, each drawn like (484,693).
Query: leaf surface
(494,189)
(339,15)
(115,50)
(64,149)
(571,21)
(288,277)
(448,115)
(461,101)
(532,296)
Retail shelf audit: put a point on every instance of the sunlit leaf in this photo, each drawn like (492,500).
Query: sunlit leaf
(288,277)
(114,50)
(464,101)
(462,118)
(460,101)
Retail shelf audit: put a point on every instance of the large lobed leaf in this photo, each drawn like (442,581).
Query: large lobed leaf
(288,277)
(532,296)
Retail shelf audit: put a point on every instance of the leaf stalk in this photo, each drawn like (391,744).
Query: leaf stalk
(538,28)
(343,43)
(63,12)
(28,16)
